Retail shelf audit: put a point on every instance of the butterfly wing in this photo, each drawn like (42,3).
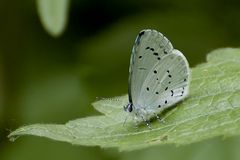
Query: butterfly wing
(168,82)
(159,74)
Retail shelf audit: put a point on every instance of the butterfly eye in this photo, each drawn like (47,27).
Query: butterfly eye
(128,108)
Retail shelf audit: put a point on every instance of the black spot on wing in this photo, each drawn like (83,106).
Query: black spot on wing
(141,33)
(182,93)
(152,49)
(139,37)
(155,54)
(172,92)
(165,101)
(147,88)
(147,47)
(140,57)
(157,92)
(159,58)
(155,71)
(165,52)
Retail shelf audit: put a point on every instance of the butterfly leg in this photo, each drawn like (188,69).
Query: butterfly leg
(159,119)
(147,123)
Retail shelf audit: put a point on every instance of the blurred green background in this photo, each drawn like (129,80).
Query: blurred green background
(53,80)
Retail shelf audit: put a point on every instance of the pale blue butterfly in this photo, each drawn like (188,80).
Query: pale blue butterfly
(159,76)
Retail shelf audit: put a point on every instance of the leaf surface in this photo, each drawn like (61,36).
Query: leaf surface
(212,109)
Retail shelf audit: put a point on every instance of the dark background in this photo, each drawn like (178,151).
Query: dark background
(53,80)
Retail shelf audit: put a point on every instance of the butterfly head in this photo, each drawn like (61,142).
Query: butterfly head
(128,107)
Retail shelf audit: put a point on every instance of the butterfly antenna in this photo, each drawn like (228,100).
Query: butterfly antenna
(110,99)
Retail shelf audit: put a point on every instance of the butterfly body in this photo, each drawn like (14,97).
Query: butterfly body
(158,75)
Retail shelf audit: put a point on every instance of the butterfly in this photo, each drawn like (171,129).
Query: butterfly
(159,76)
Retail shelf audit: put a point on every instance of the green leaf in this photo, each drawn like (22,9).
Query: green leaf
(212,109)
(53,15)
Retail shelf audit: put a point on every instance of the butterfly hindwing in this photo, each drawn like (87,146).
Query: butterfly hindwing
(167,82)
